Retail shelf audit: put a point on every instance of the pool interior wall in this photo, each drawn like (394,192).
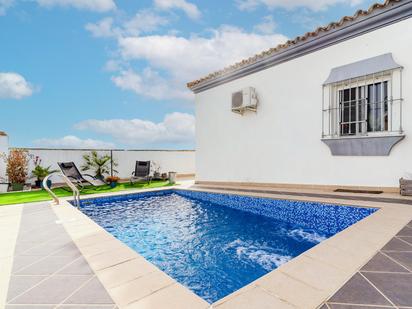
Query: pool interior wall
(216,243)
(328,218)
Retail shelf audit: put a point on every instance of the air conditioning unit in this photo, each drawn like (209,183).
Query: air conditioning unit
(244,100)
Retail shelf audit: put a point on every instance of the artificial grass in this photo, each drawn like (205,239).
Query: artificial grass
(42,195)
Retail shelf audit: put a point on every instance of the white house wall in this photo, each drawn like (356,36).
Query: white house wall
(281,143)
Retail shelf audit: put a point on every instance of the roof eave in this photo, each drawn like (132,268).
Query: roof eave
(378,16)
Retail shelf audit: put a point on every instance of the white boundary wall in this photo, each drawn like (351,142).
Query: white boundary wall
(281,143)
(4,149)
(180,161)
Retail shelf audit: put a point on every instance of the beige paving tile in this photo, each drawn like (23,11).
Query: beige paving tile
(9,211)
(349,240)
(139,288)
(126,272)
(398,211)
(5,264)
(285,288)
(79,221)
(171,297)
(119,255)
(386,218)
(236,293)
(80,227)
(5,273)
(349,261)
(7,249)
(93,239)
(100,247)
(315,273)
(379,238)
(7,246)
(79,233)
(254,298)
(381,225)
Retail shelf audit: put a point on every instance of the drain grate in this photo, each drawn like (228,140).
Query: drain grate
(359,191)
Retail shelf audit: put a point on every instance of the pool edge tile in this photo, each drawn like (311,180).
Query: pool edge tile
(354,236)
(254,297)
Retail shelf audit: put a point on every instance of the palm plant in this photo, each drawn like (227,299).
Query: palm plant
(41,172)
(100,165)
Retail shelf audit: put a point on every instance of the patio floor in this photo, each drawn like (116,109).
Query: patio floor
(385,281)
(48,269)
(61,259)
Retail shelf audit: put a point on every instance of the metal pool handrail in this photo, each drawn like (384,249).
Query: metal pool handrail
(76,192)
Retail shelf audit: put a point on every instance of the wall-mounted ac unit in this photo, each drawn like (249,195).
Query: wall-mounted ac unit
(245,99)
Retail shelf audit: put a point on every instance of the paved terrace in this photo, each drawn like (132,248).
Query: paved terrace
(48,269)
(384,282)
(55,257)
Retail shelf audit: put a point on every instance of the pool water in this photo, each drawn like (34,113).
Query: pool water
(215,244)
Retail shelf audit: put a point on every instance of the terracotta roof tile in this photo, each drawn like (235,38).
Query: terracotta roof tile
(271,51)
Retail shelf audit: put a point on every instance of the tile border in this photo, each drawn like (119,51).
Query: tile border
(337,258)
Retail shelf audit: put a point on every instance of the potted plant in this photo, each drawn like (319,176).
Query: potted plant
(41,172)
(112,181)
(16,169)
(156,169)
(100,165)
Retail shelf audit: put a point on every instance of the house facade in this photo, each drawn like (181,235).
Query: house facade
(333,108)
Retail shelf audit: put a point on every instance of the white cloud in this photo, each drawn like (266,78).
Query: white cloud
(315,5)
(71,141)
(267,26)
(113,65)
(90,5)
(171,59)
(150,84)
(308,20)
(190,9)
(185,59)
(142,22)
(176,128)
(4,5)
(103,28)
(14,86)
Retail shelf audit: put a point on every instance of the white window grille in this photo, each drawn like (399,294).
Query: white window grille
(363,106)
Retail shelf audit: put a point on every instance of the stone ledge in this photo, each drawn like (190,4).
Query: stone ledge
(362,146)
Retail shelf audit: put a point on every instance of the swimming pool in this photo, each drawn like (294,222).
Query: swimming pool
(214,243)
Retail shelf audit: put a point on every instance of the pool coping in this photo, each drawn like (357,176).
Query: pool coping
(336,259)
(317,273)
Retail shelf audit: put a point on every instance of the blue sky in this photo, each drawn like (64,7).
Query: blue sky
(112,73)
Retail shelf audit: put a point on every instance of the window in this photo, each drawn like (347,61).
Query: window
(363,98)
(363,109)
(365,106)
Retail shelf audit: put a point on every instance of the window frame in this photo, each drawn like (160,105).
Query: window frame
(333,109)
(357,83)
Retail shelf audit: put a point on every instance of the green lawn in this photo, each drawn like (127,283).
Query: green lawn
(42,195)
